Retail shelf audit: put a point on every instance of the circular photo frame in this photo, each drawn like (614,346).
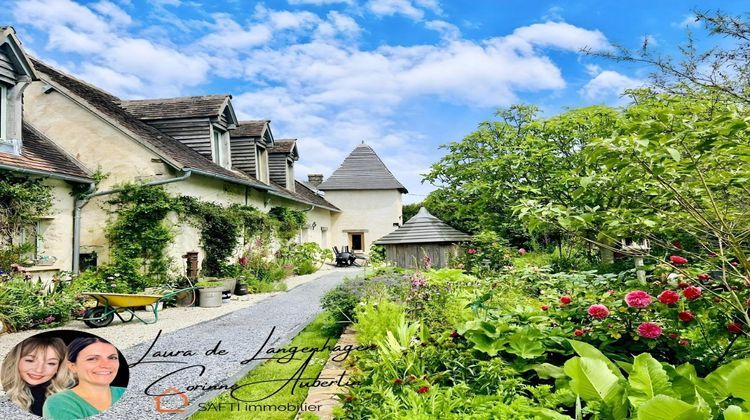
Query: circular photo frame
(64,375)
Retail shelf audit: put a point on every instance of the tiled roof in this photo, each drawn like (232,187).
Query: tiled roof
(184,107)
(283,146)
(250,128)
(423,228)
(173,150)
(307,191)
(40,155)
(362,170)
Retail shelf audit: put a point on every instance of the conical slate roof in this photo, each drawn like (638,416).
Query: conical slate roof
(423,228)
(362,170)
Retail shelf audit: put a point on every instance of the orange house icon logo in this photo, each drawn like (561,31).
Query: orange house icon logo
(168,393)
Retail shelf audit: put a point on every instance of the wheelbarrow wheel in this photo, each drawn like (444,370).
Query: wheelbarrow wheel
(95,317)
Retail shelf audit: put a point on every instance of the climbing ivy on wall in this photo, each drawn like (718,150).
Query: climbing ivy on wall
(289,221)
(139,236)
(22,200)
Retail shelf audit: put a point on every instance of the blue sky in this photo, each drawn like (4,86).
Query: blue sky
(403,75)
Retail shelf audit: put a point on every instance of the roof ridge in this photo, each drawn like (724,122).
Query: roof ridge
(177,98)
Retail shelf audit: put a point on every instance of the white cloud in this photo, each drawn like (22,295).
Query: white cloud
(448,31)
(232,35)
(414,9)
(117,16)
(319,2)
(608,85)
(562,35)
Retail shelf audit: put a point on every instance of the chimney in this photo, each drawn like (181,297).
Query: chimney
(315,179)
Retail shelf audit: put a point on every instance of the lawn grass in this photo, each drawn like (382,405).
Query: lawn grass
(314,335)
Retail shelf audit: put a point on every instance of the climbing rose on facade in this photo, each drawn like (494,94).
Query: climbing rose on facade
(638,299)
(649,330)
(692,293)
(685,316)
(678,260)
(598,311)
(669,297)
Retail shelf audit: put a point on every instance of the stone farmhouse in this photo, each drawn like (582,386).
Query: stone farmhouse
(65,130)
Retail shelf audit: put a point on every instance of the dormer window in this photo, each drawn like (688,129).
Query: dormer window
(220,147)
(261,165)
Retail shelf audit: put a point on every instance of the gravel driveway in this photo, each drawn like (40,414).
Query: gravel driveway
(241,333)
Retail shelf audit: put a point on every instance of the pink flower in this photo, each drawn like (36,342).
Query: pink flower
(521,251)
(565,300)
(243,261)
(692,293)
(684,342)
(669,297)
(734,328)
(734,263)
(677,260)
(471,251)
(685,316)
(704,276)
(649,330)
(638,299)
(598,311)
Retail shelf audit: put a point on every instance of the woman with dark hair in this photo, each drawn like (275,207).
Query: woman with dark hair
(94,362)
(34,370)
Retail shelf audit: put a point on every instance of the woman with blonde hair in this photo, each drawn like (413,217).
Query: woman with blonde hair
(33,370)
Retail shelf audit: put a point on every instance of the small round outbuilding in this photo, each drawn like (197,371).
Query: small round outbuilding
(422,235)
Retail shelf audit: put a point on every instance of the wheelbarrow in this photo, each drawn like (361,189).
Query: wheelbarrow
(123,305)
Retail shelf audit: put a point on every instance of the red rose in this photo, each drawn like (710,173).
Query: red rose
(423,390)
(734,328)
(682,285)
(684,342)
(669,297)
(673,335)
(649,330)
(748,303)
(578,333)
(455,334)
(598,311)
(397,381)
(678,260)
(638,299)
(545,307)
(565,299)
(704,276)
(685,316)
(692,293)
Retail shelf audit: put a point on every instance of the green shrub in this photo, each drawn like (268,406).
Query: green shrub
(376,318)
(27,304)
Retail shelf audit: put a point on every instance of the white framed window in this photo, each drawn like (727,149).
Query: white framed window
(217,146)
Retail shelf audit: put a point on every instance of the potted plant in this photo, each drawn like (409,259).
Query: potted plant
(228,283)
(209,293)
